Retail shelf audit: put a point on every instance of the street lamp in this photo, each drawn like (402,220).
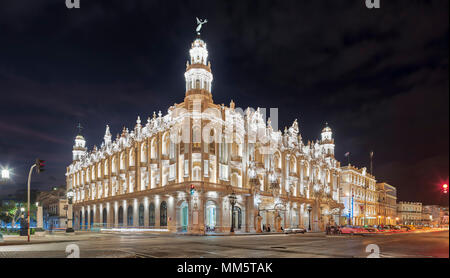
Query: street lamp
(70,195)
(233,200)
(309,216)
(5,174)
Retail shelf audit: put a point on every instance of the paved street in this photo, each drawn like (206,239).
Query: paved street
(423,245)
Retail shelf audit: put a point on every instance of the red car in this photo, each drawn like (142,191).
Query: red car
(347,229)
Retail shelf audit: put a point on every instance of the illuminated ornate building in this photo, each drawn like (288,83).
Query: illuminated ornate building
(203,166)
(387,204)
(410,213)
(359,194)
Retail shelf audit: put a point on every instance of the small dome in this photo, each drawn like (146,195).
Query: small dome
(326,128)
(79,137)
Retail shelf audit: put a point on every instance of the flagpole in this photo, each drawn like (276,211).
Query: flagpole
(371,165)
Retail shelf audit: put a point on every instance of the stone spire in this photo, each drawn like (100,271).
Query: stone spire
(107,136)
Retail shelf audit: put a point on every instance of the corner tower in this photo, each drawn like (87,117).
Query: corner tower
(79,148)
(198,74)
(327,141)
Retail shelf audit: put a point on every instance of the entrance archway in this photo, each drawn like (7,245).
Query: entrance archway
(151,215)
(130,216)
(184,216)
(86,220)
(211,216)
(92,219)
(105,217)
(163,214)
(141,215)
(120,216)
(237,214)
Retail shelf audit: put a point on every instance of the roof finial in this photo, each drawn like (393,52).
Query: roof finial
(79,127)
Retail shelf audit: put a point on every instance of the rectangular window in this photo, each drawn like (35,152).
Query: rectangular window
(186,168)
(223,172)
(172,172)
(206,168)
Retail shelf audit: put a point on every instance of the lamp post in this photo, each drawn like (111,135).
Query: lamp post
(5,174)
(309,217)
(232,198)
(69,228)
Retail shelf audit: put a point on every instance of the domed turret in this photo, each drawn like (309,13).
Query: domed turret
(327,140)
(198,74)
(79,148)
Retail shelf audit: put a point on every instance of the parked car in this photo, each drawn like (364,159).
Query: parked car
(348,229)
(405,228)
(370,229)
(295,231)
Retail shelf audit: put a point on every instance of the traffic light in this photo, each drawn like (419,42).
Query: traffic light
(192,189)
(445,188)
(40,165)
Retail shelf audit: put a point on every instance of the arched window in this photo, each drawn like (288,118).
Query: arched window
(104,217)
(92,219)
(144,152)
(293,165)
(141,215)
(223,151)
(120,216)
(151,215)
(130,216)
(122,161)
(166,143)
(106,167)
(153,150)
(163,214)
(113,165)
(131,157)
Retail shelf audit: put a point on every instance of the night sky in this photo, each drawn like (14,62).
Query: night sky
(379,77)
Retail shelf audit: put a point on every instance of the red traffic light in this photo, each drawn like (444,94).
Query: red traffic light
(40,165)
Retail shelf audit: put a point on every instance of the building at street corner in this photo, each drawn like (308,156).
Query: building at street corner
(387,204)
(438,215)
(203,166)
(53,205)
(358,193)
(410,213)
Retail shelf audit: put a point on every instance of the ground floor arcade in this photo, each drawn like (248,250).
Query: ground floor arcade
(205,211)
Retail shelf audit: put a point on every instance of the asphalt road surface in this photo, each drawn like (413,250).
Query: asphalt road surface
(419,245)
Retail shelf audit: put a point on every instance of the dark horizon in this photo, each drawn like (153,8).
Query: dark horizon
(378,77)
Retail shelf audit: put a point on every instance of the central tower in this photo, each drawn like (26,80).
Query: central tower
(198,74)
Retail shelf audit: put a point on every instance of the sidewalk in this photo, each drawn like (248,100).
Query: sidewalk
(47,238)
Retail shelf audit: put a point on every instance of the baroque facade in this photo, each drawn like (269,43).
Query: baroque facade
(204,167)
